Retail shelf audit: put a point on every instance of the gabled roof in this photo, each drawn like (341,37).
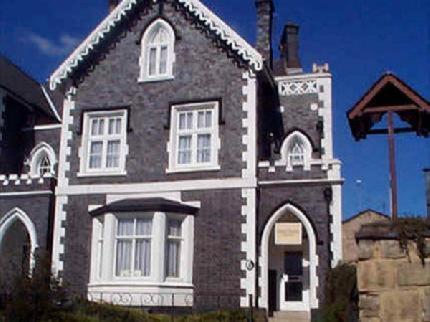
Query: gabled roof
(125,7)
(389,93)
(23,87)
(364,212)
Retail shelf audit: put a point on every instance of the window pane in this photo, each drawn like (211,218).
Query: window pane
(118,126)
(174,228)
(208,119)
(113,153)
(204,119)
(182,121)
(44,166)
(152,61)
(96,155)
(163,60)
(173,258)
(114,126)
(123,257)
(184,149)
(125,227)
(204,148)
(142,258)
(189,120)
(94,126)
(297,154)
(144,227)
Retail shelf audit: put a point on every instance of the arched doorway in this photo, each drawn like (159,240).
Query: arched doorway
(18,243)
(288,262)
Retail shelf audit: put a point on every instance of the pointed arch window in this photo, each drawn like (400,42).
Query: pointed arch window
(297,151)
(157,56)
(42,160)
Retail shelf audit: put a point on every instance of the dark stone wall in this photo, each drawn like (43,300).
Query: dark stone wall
(202,71)
(310,200)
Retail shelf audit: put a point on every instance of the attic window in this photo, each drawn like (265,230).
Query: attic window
(157,56)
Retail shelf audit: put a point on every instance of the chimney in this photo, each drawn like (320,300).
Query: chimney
(427,179)
(265,9)
(113,4)
(289,49)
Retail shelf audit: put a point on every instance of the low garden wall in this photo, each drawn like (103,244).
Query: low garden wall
(393,276)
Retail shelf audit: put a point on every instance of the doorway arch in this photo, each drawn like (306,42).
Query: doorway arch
(312,248)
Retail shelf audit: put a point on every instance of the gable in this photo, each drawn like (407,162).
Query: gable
(124,10)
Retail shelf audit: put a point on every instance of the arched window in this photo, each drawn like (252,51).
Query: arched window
(296,151)
(41,160)
(156,62)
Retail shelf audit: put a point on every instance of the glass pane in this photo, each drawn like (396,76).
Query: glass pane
(44,166)
(94,126)
(208,119)
(152,61)
(101,128)
(144,227)
(184,150)
(114,126)
(118,126)
(174,228)
(113,153)
(204,119)
(182,121)
(294,291)
(189,120)
(142,258)
(163,60)
(125,227)
(204,148)
(123,257)
(173,258)
(96,155)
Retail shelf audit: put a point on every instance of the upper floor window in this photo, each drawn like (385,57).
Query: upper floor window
(194,138)
(104,143)
(297,151)
(157,56)
(42,160)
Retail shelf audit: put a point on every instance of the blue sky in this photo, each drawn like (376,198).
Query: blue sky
(359,39)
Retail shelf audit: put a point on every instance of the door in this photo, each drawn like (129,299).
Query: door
(293,296)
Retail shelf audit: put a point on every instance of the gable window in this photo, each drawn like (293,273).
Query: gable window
(194,138)
(157,56)
(104,143)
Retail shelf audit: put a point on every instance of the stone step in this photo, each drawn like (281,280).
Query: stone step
(290,316)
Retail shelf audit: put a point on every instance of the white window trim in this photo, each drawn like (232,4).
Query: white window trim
(84,170)
(213,165)
(37,155)
(157,281)
(144,56)
(285,151)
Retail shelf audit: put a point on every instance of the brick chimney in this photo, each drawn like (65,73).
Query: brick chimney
(427,179)
(265,9)
(113,4)
(289,49)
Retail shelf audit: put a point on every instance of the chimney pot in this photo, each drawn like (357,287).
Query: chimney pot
(113,4)
(290,49)
(265,10)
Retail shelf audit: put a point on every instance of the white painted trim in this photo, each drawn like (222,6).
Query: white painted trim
(300,181)
(336,211)
(42,127)
(185,185)
(36,156)
(26,193)
(264,252)
(144,57)
(302,76)
(325,111)
(195,7)
(51,104)
(18,214)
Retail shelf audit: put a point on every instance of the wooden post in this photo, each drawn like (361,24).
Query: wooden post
(393,174)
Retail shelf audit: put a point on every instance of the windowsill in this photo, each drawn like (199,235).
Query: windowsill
(101,174)
(137,283)
(155,79)
(193,169)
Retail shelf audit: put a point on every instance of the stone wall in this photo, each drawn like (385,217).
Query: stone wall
(392,285)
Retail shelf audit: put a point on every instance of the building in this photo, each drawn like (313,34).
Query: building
(193,167)
(350,228)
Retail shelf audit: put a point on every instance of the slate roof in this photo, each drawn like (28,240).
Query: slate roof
(146,204)
(19,84)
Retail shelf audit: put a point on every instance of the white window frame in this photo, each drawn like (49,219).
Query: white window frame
(287,147)
(157,281)
(194,132)
(84,151)
(37,155)
(146,46)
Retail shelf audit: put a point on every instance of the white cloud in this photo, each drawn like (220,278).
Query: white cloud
(46,46)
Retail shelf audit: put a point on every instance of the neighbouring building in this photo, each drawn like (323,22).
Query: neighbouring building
(350,228)
(192,166)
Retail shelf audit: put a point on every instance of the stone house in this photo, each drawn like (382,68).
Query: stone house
(350,228)
(193,168)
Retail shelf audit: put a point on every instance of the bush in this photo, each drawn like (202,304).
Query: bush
(341,302)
